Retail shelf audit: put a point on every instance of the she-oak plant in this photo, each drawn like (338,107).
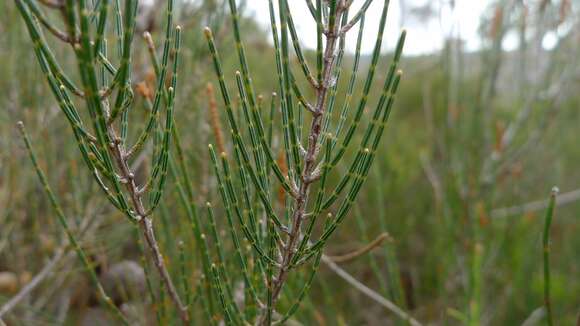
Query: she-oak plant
(107,95)
(282,240)
(278,244)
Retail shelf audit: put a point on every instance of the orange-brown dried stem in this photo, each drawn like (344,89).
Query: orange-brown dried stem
(214,118)
(361,251)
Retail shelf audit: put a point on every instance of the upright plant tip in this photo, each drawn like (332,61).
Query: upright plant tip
(546,244)
(400,44)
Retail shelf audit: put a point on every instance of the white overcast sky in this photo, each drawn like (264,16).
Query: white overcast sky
(422,36)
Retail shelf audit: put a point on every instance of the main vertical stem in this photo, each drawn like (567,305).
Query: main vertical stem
(306,175)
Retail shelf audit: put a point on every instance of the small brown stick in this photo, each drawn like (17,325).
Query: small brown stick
(370,293)
(54,4)
(46,270)
(61,253)
(361,251)
(534,206)
(57,32)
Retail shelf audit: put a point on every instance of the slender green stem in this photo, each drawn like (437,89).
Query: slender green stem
(64,223)
(546,243)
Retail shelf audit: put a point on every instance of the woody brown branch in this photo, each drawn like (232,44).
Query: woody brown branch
(145,222)
(301,199)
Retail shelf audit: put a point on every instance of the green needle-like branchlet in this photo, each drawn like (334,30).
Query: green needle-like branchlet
(159,92)
(64,223)
(353,77)
(546,247)
(388,92)
(230,200)
(237,138)
(366,89)
(184,274)
(221,261)
(286,89)
(298,48)
(361,172)
(163,156)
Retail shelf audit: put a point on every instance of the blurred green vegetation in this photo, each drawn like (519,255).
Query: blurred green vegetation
(436,186)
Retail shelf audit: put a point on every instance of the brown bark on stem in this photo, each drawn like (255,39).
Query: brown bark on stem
(301,200)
